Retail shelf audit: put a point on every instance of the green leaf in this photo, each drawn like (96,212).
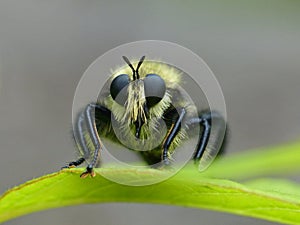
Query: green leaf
(278,188)
(274,200)
(280,159)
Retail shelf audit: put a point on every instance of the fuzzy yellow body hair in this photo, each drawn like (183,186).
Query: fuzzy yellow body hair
(144,108)
(170,75)
(152,134)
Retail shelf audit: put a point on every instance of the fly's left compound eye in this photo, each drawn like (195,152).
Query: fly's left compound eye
(155,89)
(118,88)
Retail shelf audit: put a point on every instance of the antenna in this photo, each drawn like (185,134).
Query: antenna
(130,65)
(138,66)
(134,71)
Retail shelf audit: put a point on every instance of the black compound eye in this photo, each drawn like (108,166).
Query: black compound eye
(118,88)
(155,89)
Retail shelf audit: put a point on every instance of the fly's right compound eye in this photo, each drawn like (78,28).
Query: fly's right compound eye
(118,88)
(155,89)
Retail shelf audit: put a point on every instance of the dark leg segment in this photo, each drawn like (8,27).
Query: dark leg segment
(86,121)
(81,141)
(205,122)
(74,163)
(92,130)
(80,135)
(171,135)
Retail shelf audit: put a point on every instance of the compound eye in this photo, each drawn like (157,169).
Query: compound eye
(118,88)
(155,89)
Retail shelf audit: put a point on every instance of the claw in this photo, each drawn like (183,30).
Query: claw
(84,175)
(164,165)
(70,165)
(64,167)
(89,171)
(74,164)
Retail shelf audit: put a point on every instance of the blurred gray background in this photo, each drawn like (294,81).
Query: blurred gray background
(253,48)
